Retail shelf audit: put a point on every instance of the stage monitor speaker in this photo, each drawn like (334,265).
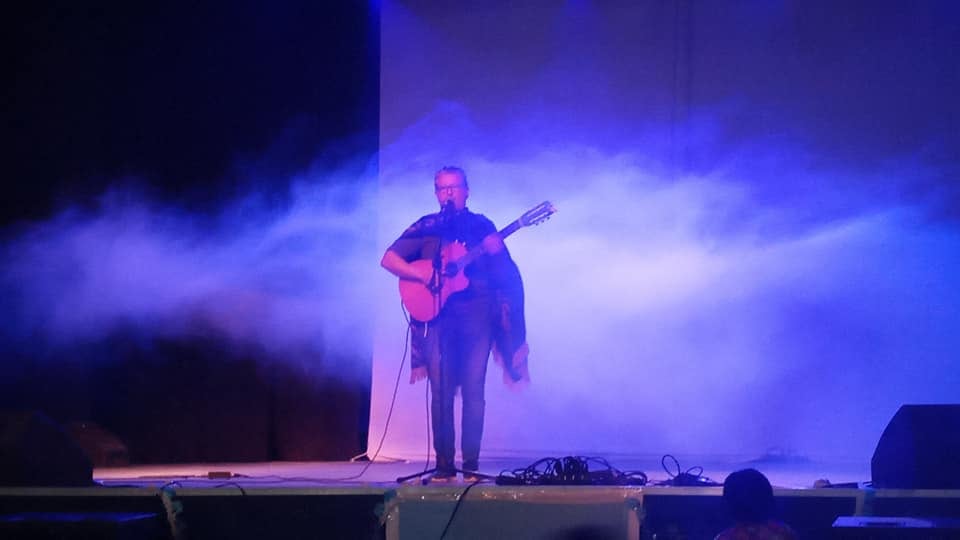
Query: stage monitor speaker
(34,451)
(919,449)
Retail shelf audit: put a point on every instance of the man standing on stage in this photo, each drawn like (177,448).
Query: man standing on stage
(452,349)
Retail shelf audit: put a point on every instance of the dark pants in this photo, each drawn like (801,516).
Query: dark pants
(465,335)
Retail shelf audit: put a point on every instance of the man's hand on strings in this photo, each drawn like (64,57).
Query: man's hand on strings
(397,266)
(424,274)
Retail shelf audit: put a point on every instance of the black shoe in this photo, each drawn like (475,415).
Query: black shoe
(470,471)
(444,476)
(471,477)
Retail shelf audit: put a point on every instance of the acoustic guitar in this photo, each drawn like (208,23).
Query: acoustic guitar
(424,301)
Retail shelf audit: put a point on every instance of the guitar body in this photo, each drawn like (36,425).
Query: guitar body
(424,303)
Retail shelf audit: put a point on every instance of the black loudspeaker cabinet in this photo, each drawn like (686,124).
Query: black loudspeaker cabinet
(919,449)
(35,451)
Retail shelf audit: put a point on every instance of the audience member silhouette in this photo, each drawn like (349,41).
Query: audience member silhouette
(749,498)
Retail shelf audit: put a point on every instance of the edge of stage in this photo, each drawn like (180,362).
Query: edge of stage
(333,500)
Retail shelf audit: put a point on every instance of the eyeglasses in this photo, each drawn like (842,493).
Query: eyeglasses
(440,189)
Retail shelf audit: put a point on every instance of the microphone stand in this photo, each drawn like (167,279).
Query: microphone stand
(436,281)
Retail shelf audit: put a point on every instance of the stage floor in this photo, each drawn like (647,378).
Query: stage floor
(381,474)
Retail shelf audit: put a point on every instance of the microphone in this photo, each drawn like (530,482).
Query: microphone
(447,212)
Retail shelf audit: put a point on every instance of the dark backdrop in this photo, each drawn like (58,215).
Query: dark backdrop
(191,104)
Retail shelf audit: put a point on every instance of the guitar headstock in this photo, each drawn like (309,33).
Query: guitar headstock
(534,216)
(537,215)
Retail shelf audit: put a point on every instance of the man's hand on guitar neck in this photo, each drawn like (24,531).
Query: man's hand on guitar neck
(493,244)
